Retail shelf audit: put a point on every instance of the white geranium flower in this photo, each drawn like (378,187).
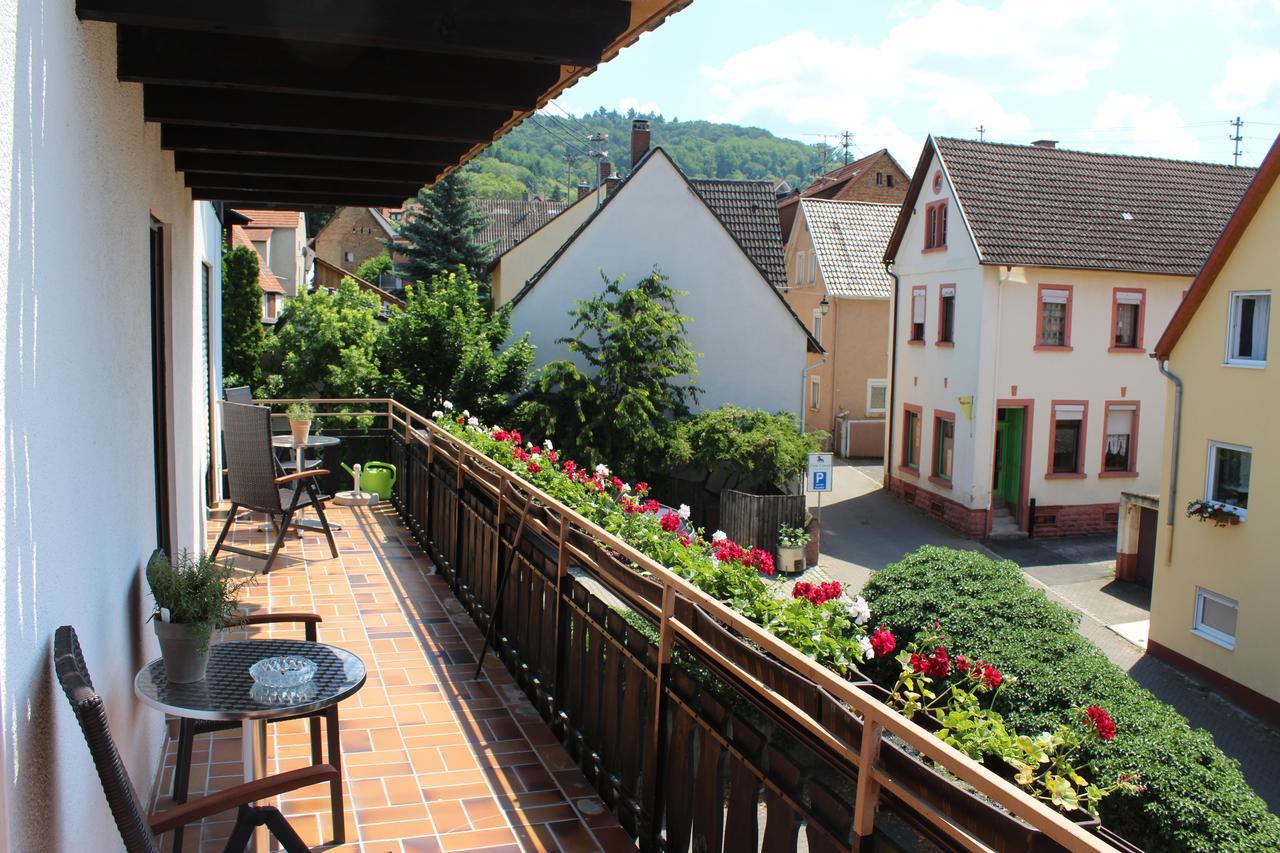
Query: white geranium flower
(626,487)
(719,536)
(859,610)
(602,469)
(684,512)
(437,414)
(448,406)
(473,421)
(548,445)
(864,646)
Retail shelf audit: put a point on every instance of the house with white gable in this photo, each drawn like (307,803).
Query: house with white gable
(1030,283)
(719,242)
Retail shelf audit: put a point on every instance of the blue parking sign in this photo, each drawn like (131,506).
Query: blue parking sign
(819,483)
(820,472)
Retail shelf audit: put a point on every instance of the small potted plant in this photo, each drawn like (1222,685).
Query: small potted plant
(192,599)
(300,415)
(791,542)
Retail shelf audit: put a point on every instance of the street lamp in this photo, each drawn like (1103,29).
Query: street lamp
(825,305)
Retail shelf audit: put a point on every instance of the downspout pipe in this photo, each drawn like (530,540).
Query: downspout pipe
(893,372)
(1174,439)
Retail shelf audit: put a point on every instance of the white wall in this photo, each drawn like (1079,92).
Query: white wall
(84,174)
(752,349)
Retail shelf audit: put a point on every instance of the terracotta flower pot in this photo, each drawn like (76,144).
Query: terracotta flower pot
(300,431)
(183,660)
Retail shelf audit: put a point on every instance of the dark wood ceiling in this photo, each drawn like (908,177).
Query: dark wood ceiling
(353,102)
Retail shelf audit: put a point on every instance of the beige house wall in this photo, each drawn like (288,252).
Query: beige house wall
(1238,405)
(351,230)
(524,259)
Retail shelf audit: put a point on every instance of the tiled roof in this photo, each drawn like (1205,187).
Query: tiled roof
(266,278)
(510,221)
(750,213)
(1029,205)
(257,235)
(850,238)
(825,186)
(271,218)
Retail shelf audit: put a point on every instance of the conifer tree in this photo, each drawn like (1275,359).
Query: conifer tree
(442,231)
(242,334)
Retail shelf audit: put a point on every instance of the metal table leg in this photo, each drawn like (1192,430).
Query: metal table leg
(253,750)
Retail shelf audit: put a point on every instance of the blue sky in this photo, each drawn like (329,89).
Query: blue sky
(1129,76)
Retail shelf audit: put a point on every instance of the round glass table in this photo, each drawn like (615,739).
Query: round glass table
(313,442)
(228,693)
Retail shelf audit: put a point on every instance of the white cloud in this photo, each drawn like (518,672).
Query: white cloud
(645,108)
(1131,124)
(1248,79)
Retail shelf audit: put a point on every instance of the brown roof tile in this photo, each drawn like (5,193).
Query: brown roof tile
(266,278)
(271,218)
(750,213)
(511,220)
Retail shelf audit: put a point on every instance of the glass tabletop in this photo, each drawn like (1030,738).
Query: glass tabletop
(228,692)
(286,440)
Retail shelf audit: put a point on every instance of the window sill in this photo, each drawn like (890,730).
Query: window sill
(931,250)
(1049,348)
(1064,476)
(1247,365)
(1129,350)
(915,343)
(1216,639)
(1115,475)
(907,469)
(1240,512)
(940,481)
(950,344)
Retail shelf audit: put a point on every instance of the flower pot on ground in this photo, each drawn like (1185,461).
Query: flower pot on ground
(791,551)
(300,415)
(192,599)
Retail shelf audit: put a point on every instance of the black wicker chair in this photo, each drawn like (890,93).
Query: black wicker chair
(253,484)
(242,394)
(137,829)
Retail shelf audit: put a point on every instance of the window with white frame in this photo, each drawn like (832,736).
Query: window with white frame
(947,314)
(1118,456)
(1228,475)
(815,393)
(1215,618)
(1247,335)
(877,397)
(817,324)
(799,268)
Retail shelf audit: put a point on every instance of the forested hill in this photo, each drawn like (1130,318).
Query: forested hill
(531,158)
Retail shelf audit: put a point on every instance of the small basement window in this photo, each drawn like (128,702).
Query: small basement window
(877,397)
(1215,618)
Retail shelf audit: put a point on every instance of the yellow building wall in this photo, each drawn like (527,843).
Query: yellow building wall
(1240,405)
(524,259)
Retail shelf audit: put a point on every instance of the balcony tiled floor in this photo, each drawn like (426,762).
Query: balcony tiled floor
(434,761)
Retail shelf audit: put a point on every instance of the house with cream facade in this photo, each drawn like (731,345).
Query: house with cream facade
(1215,600)
(836,283)
(515,264)
(1030,283)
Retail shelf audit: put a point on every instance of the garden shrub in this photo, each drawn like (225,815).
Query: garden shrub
(1196,799)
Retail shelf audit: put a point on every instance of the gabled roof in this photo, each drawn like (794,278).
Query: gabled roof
(271,218)
(257,235)
(749,212)
(1263,183)
(511,220)
(266,278)
(735,203)
(826,186)
(850,239)
(1027,205)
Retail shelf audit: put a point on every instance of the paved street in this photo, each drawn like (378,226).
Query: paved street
(864,529)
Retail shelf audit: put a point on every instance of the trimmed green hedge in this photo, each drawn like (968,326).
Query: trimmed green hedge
(1196,797)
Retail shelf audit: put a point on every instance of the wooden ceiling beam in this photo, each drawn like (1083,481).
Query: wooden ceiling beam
(254,198)
(302,167)
(313,114)
(205,180)
(282,67)
(557,32)
(227,140)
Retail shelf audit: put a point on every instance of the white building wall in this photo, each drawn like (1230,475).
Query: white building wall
(752,349)
(83,173)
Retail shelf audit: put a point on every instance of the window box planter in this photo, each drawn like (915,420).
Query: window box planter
(1222,515)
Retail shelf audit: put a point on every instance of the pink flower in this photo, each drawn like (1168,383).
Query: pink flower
(569,467)
(670,521)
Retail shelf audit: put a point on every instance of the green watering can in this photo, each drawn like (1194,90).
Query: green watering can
(376,477)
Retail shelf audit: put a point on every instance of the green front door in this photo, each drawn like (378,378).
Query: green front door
(1007,480)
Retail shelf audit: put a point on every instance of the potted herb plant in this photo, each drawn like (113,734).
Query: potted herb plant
(300,415)
(791,542)
(192,599)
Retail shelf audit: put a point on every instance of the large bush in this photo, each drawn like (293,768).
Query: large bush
(1196,797)
(752,451)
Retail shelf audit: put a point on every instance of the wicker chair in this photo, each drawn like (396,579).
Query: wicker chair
(242,394)
(253,484)
(139,830)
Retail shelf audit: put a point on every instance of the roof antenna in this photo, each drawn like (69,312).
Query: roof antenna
(1237,124)
(982,132)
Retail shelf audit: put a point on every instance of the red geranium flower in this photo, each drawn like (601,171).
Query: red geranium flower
(1101,721)
(534,467)
(991,676)
(569,468)
(761,560)
(936,665)
(962,664)
(684,538)
(882,641)
(670,521)
(519,454)
(640,488)
(651,505)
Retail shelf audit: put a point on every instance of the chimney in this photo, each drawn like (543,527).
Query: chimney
(583,189)
(606,169)
(639,140)
(1045,143)
(611,185)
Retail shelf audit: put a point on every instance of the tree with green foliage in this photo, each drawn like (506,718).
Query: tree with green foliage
(443,231)
(373,268)
(326,345)
(242,335)
(446,345)
(637,380)
(751,451)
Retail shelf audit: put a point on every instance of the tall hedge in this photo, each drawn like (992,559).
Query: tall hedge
(1196,797)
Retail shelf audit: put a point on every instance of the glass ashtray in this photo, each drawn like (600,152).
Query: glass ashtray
(282,673)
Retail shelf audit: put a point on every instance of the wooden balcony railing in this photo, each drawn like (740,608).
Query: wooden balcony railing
(683,714)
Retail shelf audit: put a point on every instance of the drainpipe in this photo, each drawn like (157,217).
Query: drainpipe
(893,374)
(1162,364)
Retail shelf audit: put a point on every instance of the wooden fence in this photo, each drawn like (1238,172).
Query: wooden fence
(689,720)
(755,519)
